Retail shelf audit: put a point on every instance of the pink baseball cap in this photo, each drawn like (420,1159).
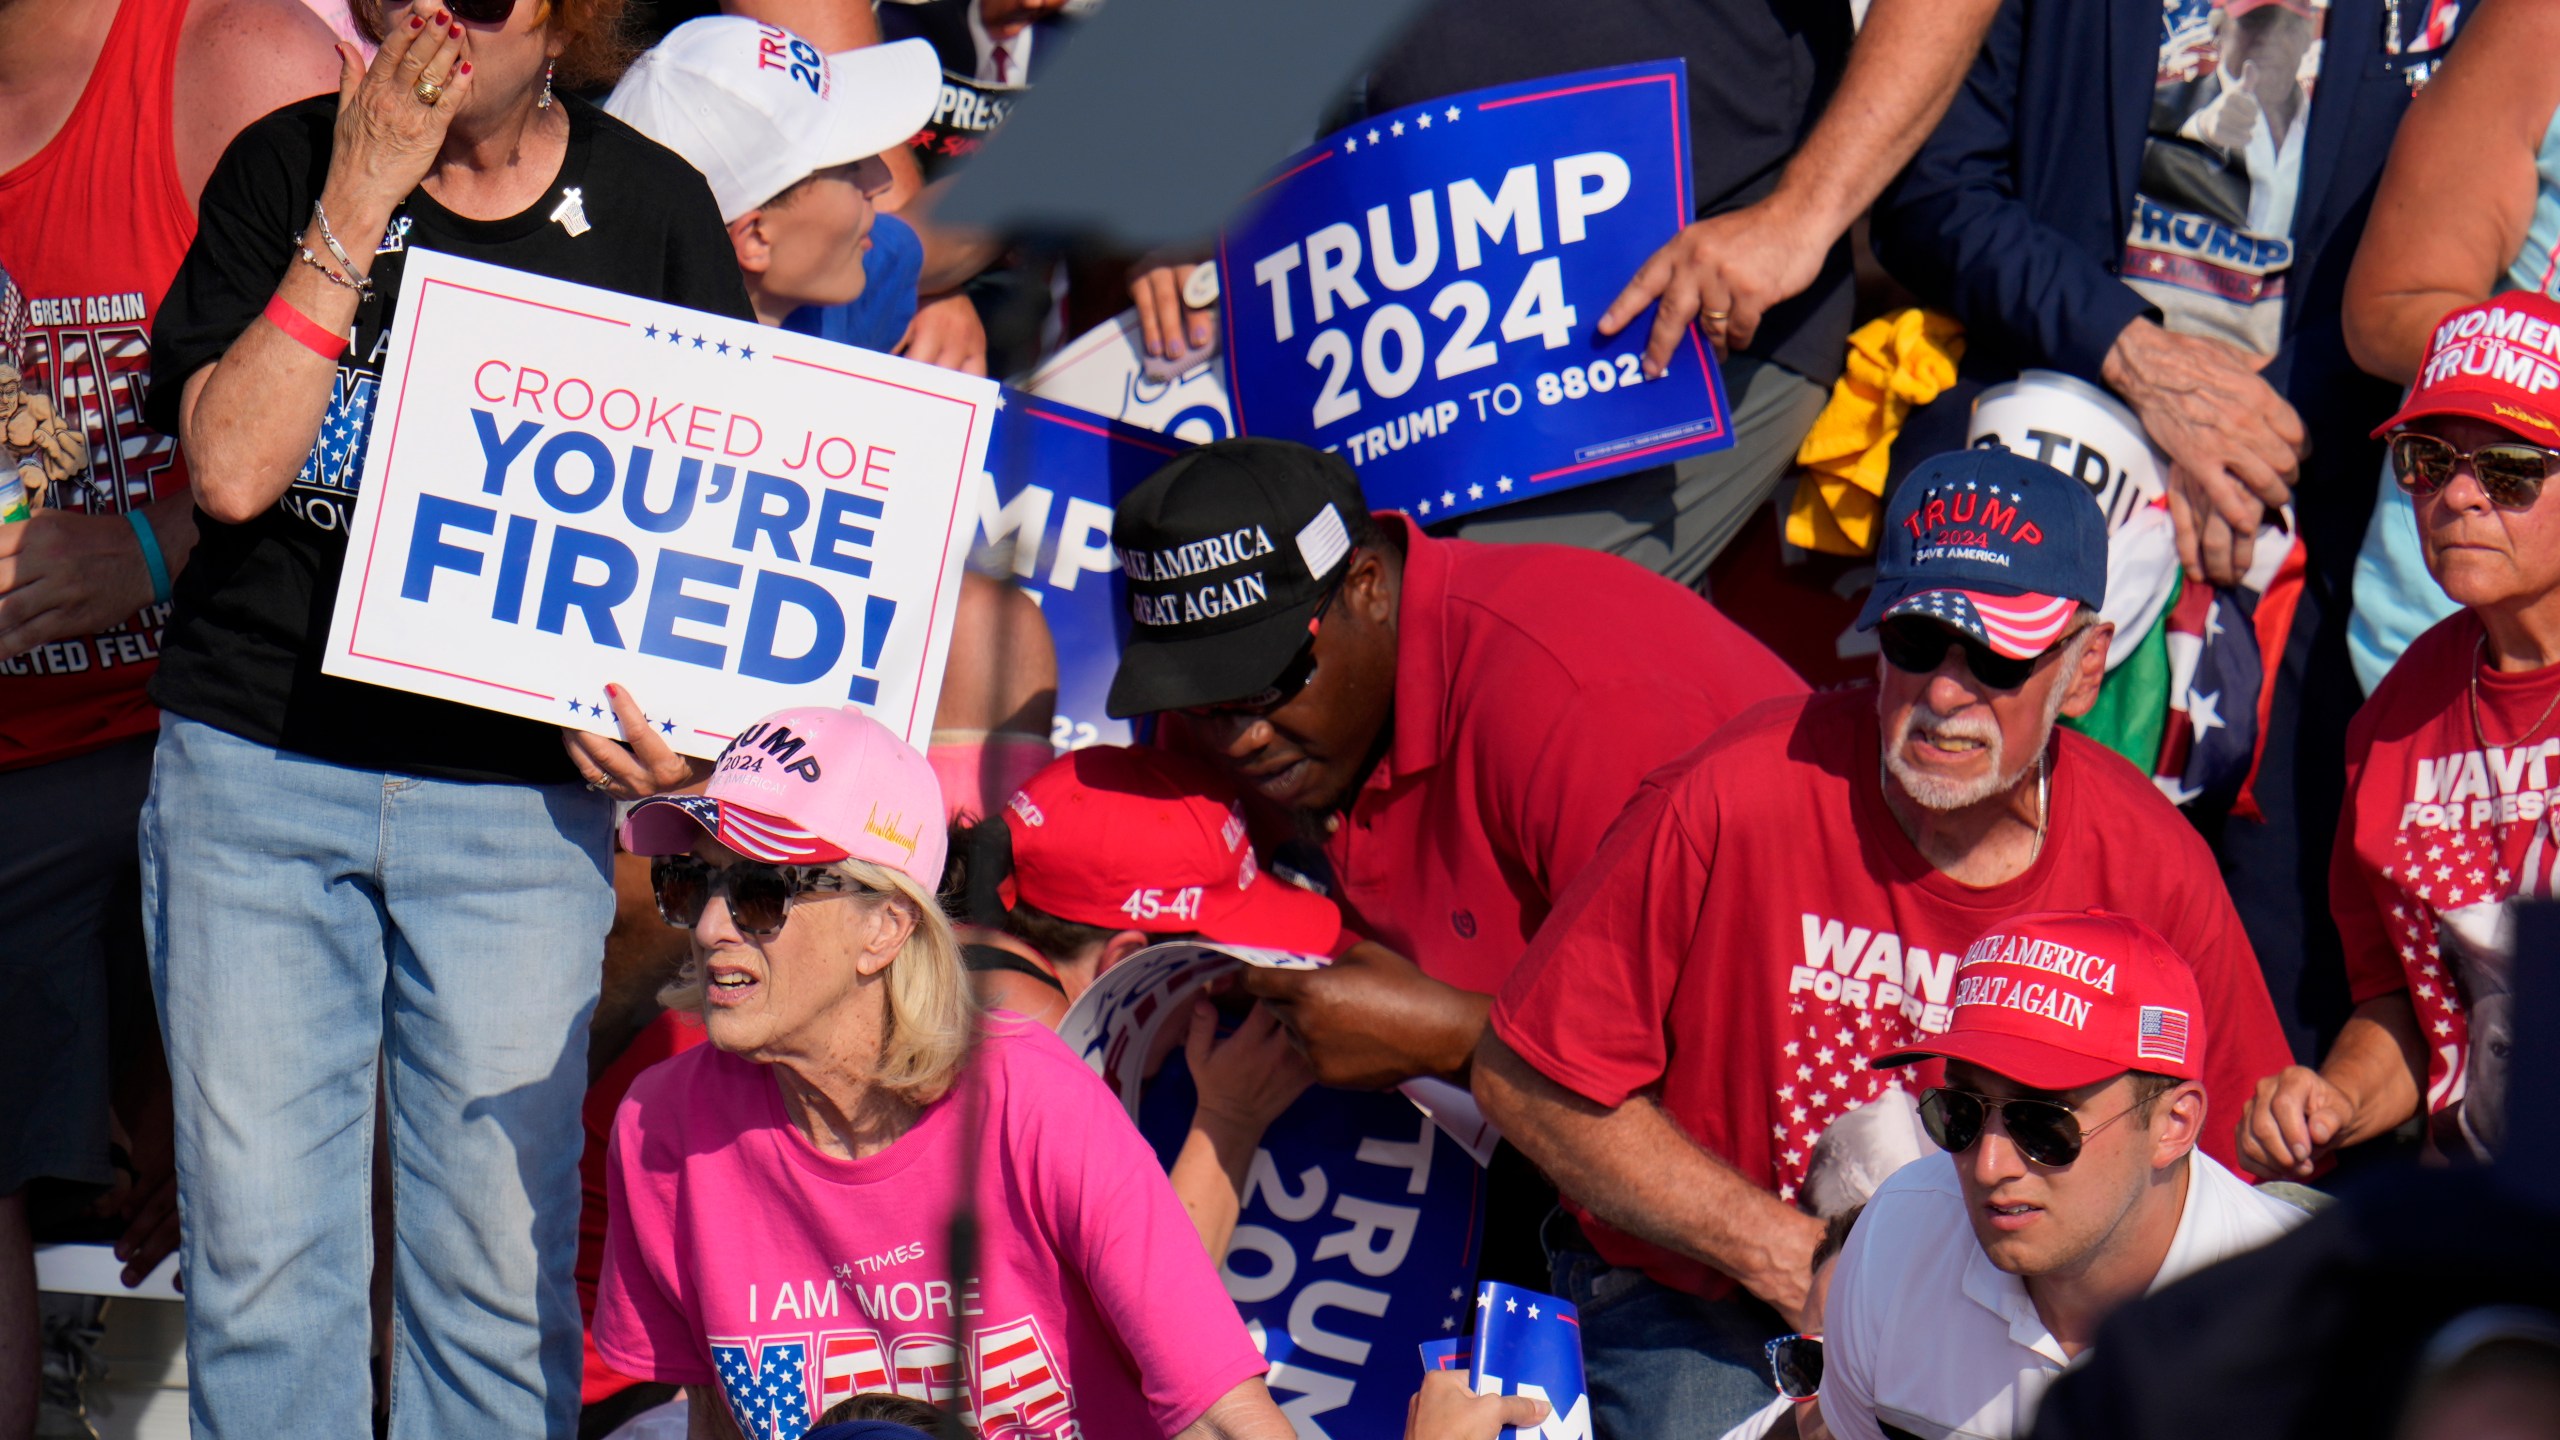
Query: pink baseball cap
(2069,998)
(808,787)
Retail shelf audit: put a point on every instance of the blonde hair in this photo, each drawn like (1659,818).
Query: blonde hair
(933,1009)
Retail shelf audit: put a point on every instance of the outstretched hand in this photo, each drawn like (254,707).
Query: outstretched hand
(1723,272)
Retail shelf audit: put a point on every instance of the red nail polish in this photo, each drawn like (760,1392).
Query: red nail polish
(465,70)
(417,24)
(457,32)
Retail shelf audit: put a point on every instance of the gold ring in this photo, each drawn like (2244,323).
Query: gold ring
(427,91)
(1718,316)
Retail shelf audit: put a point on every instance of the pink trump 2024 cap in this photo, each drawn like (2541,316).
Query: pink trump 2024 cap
(808,787)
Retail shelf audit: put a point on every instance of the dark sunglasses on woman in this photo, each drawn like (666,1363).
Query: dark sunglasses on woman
(760,895)
(1915,646)
(2045,1131)
(2510,472)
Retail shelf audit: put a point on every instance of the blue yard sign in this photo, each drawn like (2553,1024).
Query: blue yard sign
(1044,521)
(1356,1242)
(1531,1344)
(1420,293)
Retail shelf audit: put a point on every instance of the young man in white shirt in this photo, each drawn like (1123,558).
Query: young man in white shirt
(2070,1113)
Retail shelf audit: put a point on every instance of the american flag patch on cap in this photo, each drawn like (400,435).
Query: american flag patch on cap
(2161,1034)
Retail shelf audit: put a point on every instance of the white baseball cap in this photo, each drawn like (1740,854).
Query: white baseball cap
(757,109)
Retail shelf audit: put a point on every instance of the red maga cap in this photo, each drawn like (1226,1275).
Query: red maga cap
(1139,839)
(2065,999)
(2497,361)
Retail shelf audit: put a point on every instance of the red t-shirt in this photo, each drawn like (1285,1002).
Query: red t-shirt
(2444,825)
(1536,687)
(92,228)
(1756,925)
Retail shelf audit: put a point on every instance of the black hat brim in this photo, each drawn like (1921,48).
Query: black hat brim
(1157,675)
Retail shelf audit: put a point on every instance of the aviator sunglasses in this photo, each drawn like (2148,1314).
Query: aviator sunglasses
(760,895)
(2045,1131)
(1916,646)
(2510,472)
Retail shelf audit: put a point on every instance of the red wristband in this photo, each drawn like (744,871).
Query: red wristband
(312,335)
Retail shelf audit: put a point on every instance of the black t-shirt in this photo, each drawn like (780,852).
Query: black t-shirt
(252,607)
(1760,72)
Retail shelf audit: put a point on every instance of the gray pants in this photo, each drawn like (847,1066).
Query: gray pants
(1675,519)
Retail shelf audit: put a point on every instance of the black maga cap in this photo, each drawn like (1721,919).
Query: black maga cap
(1228,552)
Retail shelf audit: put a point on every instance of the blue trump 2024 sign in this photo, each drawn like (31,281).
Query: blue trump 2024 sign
(1044,519)
(1355,1240)
(1421,293)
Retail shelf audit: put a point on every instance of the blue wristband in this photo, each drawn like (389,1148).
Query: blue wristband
(152,559)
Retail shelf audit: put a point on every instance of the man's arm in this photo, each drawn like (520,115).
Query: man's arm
(1634,1168)
(2457,194)
(1244,1413)
(2370,1082)
(238,60)
(1372,1019)
(1909,58)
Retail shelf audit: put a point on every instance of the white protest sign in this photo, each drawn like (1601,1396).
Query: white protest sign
(1105,371)
(569,488)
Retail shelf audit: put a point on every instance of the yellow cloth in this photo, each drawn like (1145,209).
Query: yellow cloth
(1896,361)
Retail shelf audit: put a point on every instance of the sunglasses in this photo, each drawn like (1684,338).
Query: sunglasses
(2510,472)
(2045,1131)
(760,895)
(1795,1362)
(1916,646)
(1301,669)
(478,12)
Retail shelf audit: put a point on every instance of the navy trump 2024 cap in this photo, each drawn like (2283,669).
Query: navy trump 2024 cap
(1229,551)
(1992,545)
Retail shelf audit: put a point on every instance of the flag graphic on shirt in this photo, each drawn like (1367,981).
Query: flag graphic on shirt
(849,1365)
(768,1390)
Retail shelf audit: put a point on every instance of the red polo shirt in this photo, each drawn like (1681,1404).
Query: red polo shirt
(1536,686)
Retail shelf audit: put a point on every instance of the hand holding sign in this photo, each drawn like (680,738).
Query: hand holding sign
(1724,272)
(1445,1409)
(1372,1018)
(641,766)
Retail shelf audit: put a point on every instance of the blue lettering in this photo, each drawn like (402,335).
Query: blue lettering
(754,519)
(500,453)
(774,590)
(563,591)
(515,561)
(668,604)
(635,493)
(835,530)
(546,472)
(428,551)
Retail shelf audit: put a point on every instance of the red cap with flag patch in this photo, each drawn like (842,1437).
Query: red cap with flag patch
(2070,998)
(1138,839)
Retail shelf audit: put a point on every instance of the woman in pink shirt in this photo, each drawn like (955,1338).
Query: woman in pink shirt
(782,1198)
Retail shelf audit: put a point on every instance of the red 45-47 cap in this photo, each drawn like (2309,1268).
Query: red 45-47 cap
(2069,998)
(1138,839)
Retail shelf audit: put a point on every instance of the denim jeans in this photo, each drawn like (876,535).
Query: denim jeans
(305,920)
(1660,1362)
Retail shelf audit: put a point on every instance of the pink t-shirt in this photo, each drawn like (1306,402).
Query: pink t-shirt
(739,1252)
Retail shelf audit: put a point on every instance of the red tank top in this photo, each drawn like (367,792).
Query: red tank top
(91,232)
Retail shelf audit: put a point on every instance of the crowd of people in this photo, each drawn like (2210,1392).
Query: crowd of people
(1862,1054)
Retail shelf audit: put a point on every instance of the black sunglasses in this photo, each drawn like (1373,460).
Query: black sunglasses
(1795,1362)
(2510,472)
(1915,646)
(760,895)
(2045,1131)
(1293,679)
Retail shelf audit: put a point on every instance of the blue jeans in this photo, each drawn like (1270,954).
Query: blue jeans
(1660,1362)
(306,920)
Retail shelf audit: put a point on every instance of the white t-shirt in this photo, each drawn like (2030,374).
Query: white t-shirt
(1922,1332)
